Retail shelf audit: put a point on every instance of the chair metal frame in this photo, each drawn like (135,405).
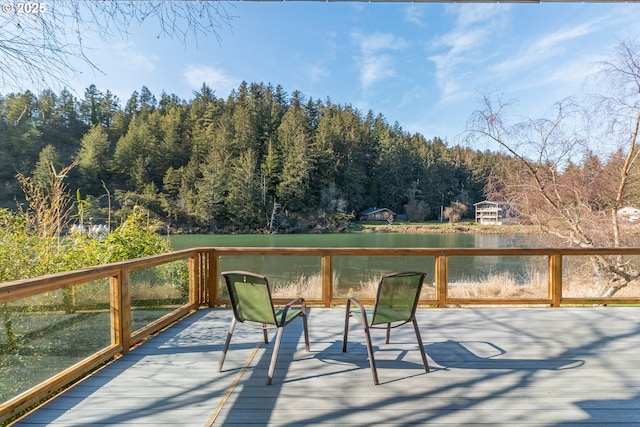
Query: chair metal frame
(368,323)
(278,320)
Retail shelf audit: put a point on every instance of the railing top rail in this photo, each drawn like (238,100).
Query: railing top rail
(25,287)
(423,251)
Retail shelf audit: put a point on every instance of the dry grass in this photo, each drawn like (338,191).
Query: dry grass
(367,289)
(493,286)
(303,286)
(589,286)
(501,286)
(580,281)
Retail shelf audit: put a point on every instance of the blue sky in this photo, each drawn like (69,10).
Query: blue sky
(424,65)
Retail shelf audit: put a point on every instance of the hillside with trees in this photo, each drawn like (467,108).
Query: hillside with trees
(261,160)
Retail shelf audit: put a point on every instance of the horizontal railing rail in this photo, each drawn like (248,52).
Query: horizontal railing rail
(204,289)
(554,297)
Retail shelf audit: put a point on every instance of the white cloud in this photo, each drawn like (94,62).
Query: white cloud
(463,48)
(374,68)
(472,14)
(542,50)
(317,73)
(551,41)
(195,75)
(133,59)
(371,43)
(414,14)
(375,61)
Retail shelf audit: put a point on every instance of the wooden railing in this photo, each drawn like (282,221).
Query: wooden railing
(441,256)
(122,337)
(203,290)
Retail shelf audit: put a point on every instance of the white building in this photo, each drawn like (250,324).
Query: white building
(492,213)
(629,213)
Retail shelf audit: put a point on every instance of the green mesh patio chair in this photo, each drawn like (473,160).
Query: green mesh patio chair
(253,306)
(395,305)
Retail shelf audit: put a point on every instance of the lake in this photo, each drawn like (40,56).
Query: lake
(359,240)
(353,270)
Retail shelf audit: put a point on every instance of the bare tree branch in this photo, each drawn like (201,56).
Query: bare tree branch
(40,43)
(554,179)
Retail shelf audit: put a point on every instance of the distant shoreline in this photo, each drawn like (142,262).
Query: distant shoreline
(463,227)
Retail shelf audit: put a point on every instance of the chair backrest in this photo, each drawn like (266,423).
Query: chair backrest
(250,297)
(397,297)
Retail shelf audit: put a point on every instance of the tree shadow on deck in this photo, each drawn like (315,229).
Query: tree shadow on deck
(171,379)
(474,372)
(471,380)
(447,355)
(606,412)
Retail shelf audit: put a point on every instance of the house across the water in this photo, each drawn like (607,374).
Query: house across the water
(493,213)
(629,213)
(376,214)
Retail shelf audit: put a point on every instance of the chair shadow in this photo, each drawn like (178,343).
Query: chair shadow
(459,355)
(356,358)
(444,356)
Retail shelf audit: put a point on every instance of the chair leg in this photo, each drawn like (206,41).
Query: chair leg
(265,334)
(306,332)
(226,344)
(274,356)
(388,333)
(346,327)
(421,346)
(372,361)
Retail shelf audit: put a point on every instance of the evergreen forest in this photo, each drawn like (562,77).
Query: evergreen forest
(262,160)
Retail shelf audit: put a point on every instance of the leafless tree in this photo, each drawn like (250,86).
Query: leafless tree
(41,41)
(455,211)
(572,173)
(416,208)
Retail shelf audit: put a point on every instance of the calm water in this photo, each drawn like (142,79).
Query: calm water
(352,270)
(359,240)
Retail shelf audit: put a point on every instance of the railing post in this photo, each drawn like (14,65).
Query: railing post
(120,310)
(555,279)
(203,280)
(327,280)
(194,279)
(441,279)
(212,282)
(115,305)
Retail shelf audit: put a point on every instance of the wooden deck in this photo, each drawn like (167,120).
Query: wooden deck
(490,366)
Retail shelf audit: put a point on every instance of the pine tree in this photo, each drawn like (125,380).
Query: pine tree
(93,160)
(295,140)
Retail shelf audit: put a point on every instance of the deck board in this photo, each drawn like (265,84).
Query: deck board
(489,366)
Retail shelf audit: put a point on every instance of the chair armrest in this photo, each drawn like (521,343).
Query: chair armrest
(294,301)
(298,300)
(360,306)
